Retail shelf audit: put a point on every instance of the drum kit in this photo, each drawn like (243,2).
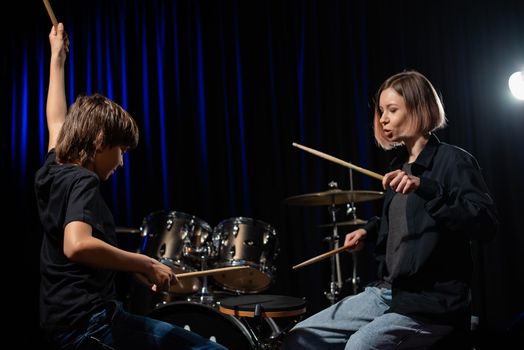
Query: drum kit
(239,256)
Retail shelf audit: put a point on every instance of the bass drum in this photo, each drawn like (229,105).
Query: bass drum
(211,324)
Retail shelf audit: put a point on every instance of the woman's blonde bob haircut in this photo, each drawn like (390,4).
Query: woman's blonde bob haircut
(423,105)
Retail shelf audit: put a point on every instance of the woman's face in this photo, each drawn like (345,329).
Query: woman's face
(394,117)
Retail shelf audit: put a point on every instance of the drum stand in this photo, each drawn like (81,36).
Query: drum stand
(336,276)
(203,296)
(336,283)
(351,209)
(354,279)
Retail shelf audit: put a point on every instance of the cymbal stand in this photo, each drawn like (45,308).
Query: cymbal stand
(336,276)
(351,209)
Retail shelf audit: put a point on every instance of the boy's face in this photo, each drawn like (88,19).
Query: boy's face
(107,160)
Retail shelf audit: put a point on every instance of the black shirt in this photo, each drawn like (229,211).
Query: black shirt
(69,291)
(450,207)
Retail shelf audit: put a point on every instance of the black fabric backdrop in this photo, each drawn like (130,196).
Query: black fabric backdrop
(221,89)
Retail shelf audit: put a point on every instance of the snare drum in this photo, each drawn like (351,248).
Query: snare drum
(245,242)
(263,305)
(257,310)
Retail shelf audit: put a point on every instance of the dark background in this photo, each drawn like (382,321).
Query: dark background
(221,89)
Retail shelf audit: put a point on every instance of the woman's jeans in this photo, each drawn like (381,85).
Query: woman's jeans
(114,328)
(359,322)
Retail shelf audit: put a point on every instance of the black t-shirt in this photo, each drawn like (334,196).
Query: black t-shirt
(70,291)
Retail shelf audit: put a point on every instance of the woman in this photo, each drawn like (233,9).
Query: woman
(436,201)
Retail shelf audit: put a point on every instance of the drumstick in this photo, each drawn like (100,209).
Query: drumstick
(339,161)
(321,257)
(50,12)
(209,272)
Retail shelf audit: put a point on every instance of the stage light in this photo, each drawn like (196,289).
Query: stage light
(516,85)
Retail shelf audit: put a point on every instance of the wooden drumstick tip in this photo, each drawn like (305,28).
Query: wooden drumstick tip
(50,12)
(322,256)
(339,161)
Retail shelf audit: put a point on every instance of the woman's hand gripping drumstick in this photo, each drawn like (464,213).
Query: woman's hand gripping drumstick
(354,241)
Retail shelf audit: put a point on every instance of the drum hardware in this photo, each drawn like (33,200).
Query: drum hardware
(333,197)
(203,296)
(335,285)
(354,279)
(352,210)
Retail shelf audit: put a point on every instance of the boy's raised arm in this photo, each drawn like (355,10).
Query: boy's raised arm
(56,107)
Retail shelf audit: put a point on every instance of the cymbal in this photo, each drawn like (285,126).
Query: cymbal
(352,222)
(334,196)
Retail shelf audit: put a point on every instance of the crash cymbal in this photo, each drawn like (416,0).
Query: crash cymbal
(352,222)
(334,196)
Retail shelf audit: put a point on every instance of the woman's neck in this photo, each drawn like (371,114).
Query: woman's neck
(415,145)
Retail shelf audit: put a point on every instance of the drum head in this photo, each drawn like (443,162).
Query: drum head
(207,322)
(250,280)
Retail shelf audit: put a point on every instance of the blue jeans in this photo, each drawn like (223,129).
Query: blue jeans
(114,328)
(359,322)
